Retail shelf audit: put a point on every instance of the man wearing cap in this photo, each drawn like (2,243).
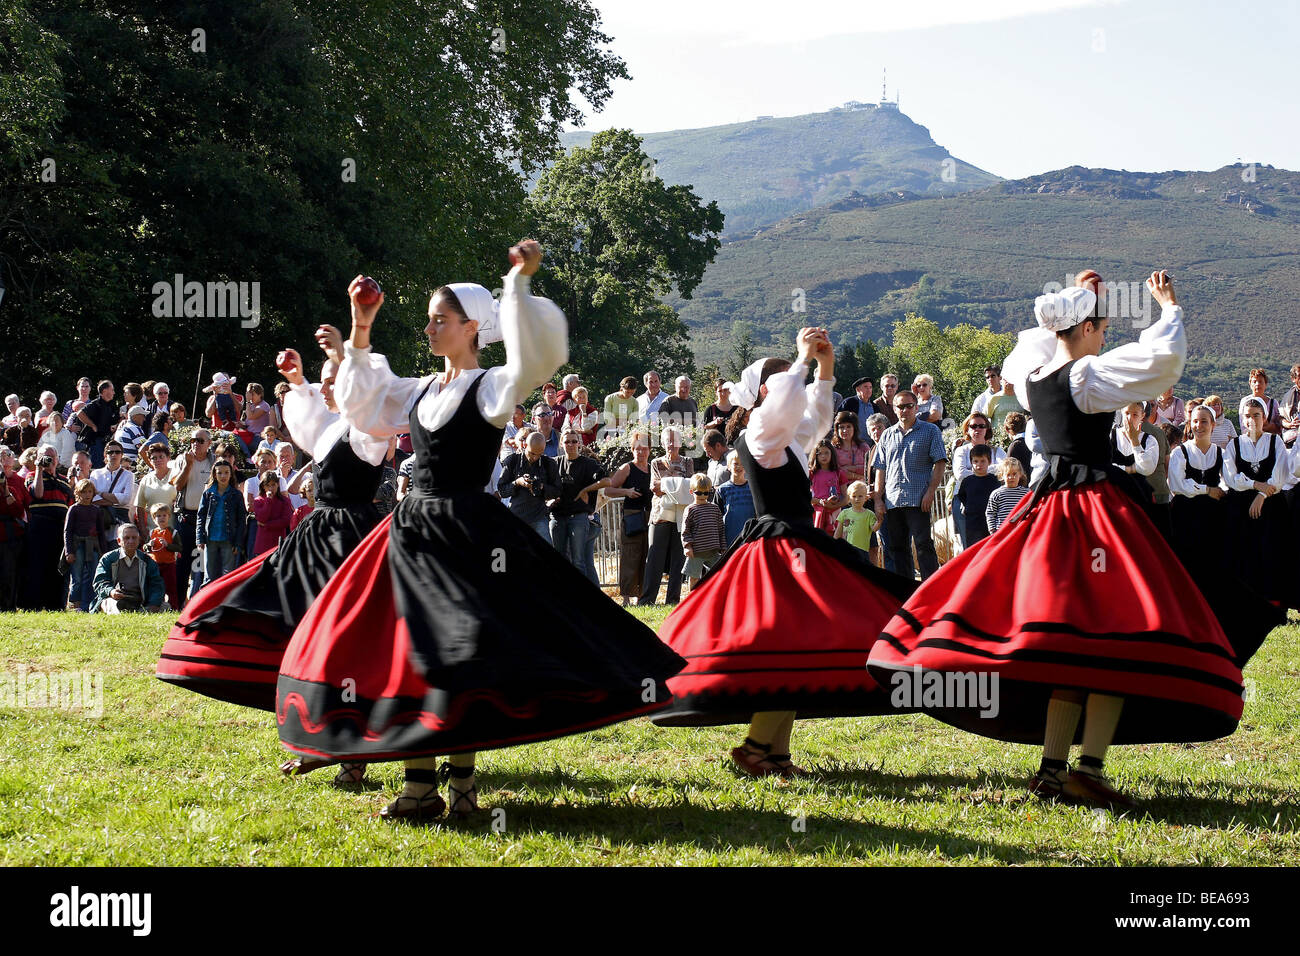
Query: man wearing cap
(130,434)
(859,403)
(544,422)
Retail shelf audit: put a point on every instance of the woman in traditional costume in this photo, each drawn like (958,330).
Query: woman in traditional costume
(442,633)
(780,625)
(231,637)
(1076,603)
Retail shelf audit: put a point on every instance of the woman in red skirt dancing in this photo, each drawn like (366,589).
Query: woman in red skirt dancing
(782,622)
(1076,604)
(231,637)
(442,634)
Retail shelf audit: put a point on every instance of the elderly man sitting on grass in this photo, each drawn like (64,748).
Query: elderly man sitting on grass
(127,579)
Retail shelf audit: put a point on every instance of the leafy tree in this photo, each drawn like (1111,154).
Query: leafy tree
(291,143)
(743,352)
(618,239)
(955,357)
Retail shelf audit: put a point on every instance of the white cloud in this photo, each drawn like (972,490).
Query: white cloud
(755,22)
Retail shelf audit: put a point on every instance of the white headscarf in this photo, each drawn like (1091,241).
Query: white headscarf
(1241,409)
(481,307)
(745,392)
(1058,311)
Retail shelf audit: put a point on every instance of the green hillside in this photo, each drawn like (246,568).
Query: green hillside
(763,170)
(1232,246)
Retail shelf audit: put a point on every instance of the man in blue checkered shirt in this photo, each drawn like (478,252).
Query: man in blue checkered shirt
(908,469)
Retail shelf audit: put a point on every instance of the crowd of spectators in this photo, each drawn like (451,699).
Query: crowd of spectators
(103,509)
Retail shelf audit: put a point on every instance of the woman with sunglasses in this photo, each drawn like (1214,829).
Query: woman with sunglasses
(1093,627)
(443,633)
(976,430)
(776,627)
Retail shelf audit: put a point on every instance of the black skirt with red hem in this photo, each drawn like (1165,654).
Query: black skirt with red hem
(455,627)
(232,634)
(784,621)
(1080,593)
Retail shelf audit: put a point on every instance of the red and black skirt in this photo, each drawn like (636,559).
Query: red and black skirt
(1081,593)
(231,636)
(784,621)
(455,627)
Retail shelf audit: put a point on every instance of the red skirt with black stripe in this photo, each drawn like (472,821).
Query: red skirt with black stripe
(783,622)
(239,663)
(1081,593)
(442,634)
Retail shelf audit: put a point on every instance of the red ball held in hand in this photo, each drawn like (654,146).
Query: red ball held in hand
(287,360)
(367,291)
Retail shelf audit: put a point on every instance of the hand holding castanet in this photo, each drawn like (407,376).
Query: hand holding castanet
(289,362)
(367,297)
(527,255)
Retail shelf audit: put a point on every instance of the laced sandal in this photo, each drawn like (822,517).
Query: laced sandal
(751,758)
(785,767)
(350,773)
(297,766)
(464,803)
(426,807)
(1046,785)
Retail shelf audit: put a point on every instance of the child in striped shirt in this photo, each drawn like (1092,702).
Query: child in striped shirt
(1003,501)
(702,534)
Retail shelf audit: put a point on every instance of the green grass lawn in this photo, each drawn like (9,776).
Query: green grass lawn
(168,777)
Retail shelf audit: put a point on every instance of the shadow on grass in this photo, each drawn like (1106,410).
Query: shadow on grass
(721,830)
(1175,803)
(1258,804)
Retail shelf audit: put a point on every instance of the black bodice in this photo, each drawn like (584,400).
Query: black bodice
(344,479)
(784,492)
(458,457)
(1067,432)
(1206,476)
(1262,471)
(1117,456)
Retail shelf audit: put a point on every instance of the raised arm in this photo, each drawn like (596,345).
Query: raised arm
(536,337)
(793,414)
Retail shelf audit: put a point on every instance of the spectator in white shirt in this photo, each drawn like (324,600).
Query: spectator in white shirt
(55,434)
(114,484)
(649,401)
(992,375)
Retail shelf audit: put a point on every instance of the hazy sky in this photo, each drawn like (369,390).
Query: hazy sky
(1003,84)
